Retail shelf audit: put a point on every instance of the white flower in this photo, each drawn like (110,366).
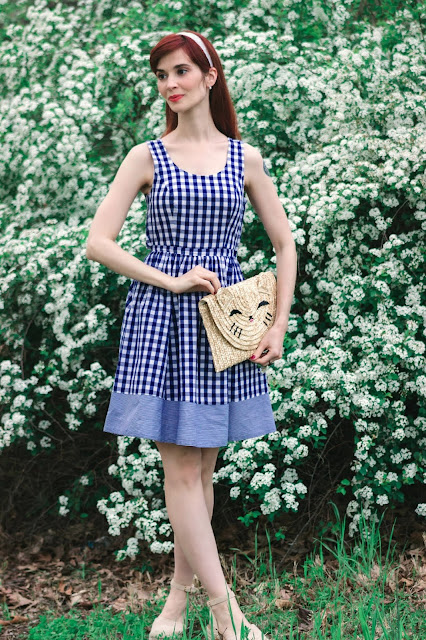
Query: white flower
(261,479)
(311,316)
(392,477)
(116,496)
(272,501)
(290,475)
(290,443)
(305,431)
(421,509)
(410,470)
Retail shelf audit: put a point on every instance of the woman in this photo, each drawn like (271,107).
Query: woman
(166,388)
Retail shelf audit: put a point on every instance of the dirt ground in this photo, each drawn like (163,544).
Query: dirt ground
(60,568)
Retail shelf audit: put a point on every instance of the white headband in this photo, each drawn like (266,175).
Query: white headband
(199,42)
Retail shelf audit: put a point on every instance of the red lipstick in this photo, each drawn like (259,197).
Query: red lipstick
(175,98)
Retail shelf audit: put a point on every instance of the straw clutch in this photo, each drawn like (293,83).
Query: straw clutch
(237,317)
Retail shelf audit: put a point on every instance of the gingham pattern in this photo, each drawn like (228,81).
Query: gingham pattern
(191,219)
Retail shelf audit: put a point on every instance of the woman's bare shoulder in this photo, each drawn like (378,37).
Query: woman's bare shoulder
(141,151)
(253,162)
(252,153)
(142,158)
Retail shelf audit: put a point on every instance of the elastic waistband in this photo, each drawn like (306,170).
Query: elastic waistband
(205,251)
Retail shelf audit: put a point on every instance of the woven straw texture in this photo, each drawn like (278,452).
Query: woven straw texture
(237,317)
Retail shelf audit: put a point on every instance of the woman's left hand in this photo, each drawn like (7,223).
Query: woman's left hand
(272,341)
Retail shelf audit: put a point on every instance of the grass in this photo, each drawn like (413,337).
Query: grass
(350,591)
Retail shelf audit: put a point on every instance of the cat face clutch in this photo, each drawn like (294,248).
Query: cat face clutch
(237,317)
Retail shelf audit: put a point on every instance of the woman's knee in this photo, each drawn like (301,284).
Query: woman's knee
(182,465)
(208,464)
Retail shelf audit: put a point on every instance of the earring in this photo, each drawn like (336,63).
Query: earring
(210,88)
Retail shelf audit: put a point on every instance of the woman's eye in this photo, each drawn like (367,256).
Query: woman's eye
(160,76)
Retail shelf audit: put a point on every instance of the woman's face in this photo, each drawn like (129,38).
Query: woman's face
(177,75)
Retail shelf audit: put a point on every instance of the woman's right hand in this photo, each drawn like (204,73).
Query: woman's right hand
(196,279)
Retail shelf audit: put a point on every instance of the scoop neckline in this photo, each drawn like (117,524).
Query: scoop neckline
(199,175)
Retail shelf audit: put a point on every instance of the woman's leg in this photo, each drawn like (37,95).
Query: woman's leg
(190,519)
(175,604)
(183,572)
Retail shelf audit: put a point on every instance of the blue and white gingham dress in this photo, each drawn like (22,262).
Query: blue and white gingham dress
(166,387)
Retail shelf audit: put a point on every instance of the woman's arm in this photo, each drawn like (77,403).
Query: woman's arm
(135,171)
(264,198)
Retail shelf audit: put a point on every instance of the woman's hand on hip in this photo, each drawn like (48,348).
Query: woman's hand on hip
(196,279)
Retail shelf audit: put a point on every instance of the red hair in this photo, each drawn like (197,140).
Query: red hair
(221,107)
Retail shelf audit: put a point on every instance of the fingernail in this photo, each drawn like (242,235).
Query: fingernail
(252,357)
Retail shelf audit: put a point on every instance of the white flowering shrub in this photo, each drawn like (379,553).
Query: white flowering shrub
(337,109)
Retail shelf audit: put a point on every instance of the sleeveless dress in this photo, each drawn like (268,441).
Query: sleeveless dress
(166,387)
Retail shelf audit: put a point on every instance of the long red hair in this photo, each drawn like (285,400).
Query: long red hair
(221,107)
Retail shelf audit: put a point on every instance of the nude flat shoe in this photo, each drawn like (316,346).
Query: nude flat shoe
(163,627)
(254,632)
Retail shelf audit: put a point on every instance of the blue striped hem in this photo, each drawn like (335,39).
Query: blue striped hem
(189,423)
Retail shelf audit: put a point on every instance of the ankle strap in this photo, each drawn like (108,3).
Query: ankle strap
(188,588)
(230,594)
